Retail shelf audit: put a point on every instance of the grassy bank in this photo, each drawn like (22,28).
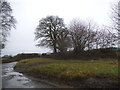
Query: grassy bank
(69,70)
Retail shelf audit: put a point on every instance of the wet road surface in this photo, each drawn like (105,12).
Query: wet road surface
(12,79)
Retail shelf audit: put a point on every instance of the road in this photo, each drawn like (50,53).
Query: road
(12,79)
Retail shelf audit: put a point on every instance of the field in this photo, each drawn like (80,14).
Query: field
(70,70)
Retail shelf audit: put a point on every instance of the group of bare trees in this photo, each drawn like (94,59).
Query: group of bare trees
(88,36)
(79,36)
(53,33)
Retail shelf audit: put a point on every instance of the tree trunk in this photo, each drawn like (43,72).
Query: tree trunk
(55,48)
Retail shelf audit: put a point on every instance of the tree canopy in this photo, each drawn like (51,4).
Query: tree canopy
(52,32)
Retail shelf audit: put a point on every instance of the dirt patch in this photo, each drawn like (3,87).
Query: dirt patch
(90,82)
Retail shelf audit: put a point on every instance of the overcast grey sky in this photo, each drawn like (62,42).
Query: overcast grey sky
(29,12)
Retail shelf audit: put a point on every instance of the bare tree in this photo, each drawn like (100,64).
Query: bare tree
(116,16)
(116,19)
(91,34)
(51,32)
(82,35)
(77,32)
(7,21)
(104,39)
(98,39)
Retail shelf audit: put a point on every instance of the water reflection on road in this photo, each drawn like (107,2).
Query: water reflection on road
(12,79)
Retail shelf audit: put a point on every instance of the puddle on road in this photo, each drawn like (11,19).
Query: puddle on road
(12,79)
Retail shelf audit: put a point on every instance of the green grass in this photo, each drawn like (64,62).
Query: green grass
(34,61)
(72,69)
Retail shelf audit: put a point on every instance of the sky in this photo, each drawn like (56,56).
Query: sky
(29,12)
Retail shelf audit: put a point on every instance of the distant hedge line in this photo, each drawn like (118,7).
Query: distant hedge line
(91,54)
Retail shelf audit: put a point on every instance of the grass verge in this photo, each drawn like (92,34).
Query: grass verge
(70,70)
